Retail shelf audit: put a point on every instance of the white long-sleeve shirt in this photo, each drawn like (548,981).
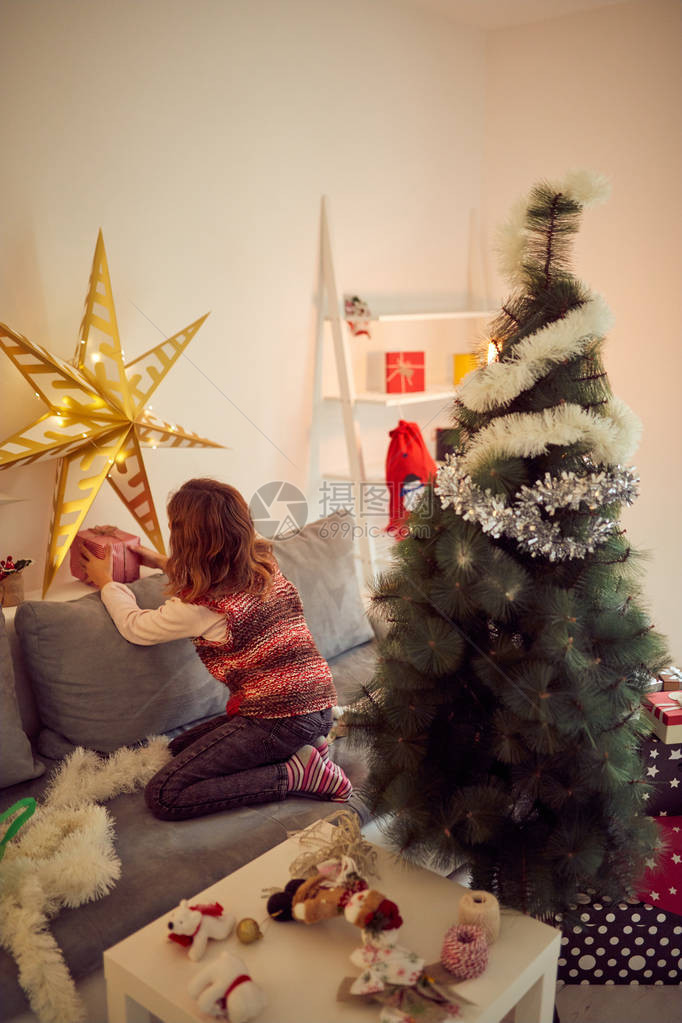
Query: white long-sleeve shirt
(172,620)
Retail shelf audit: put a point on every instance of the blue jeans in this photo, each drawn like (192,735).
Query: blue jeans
(229,762)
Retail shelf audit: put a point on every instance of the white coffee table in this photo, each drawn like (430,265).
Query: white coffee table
(300,966)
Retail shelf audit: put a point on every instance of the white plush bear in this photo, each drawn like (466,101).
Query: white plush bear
(192,926)
(224,988)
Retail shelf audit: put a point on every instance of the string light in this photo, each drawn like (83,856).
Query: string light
(76,404)
(493,351)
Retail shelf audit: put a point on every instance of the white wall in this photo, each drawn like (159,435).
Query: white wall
(602,90)
(200,135)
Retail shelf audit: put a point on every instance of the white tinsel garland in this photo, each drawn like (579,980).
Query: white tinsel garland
(498,383)
(611,435)
(522,520)
(585,187)
(589,188)
(65,856)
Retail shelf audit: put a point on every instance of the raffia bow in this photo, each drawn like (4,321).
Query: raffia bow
(403,370)
(104,530)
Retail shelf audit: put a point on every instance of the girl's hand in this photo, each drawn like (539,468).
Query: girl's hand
(98,570)
(151,558)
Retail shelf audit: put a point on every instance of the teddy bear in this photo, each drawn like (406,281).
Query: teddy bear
(192,926)
(335,889)
(319,897)
(224,988)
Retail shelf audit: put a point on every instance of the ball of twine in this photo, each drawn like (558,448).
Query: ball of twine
(482,910)
(465,951)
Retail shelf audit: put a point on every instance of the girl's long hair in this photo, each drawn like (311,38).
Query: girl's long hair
(213,544)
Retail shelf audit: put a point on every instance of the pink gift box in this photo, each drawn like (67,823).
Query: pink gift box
(664,711)
(125,559)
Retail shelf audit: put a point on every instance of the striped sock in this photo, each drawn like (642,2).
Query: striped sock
(309,775)
(322,747)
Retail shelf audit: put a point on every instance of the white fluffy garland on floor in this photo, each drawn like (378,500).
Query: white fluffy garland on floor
(64,856)
(498,383)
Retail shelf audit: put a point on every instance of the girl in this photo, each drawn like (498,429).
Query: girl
(247,624)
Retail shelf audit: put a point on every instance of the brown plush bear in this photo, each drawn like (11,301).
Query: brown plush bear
(318,898)
(331,892)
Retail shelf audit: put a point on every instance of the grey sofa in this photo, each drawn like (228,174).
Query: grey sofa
(67,678)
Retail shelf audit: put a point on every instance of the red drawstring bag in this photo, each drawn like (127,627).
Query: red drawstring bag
(409,466)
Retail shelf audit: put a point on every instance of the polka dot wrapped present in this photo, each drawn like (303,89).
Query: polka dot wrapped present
(623,943)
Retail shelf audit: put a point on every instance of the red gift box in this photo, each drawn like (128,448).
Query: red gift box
(125,559)
(664,711)
(404,372)
(661,885)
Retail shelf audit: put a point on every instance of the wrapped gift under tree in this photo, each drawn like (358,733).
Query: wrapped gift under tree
(125,566)
(664,711)
(671,678)
(663,772)
(622,943)
(638,941)
(661,885)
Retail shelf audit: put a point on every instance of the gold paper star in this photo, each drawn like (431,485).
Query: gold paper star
(98,419)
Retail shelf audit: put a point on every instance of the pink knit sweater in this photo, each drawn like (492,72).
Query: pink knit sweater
(269,659)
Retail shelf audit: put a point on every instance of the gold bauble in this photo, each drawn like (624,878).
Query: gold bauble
(248,931)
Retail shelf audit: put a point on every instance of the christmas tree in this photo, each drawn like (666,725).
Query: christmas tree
(501,723)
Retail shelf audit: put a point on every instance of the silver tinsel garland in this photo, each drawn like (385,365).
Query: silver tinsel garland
(522,519)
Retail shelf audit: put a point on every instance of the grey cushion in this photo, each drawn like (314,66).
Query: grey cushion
(320,562)
(22,683)
(99,691)
(16,756)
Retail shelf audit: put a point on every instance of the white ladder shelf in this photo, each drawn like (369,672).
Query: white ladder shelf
(330,311)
